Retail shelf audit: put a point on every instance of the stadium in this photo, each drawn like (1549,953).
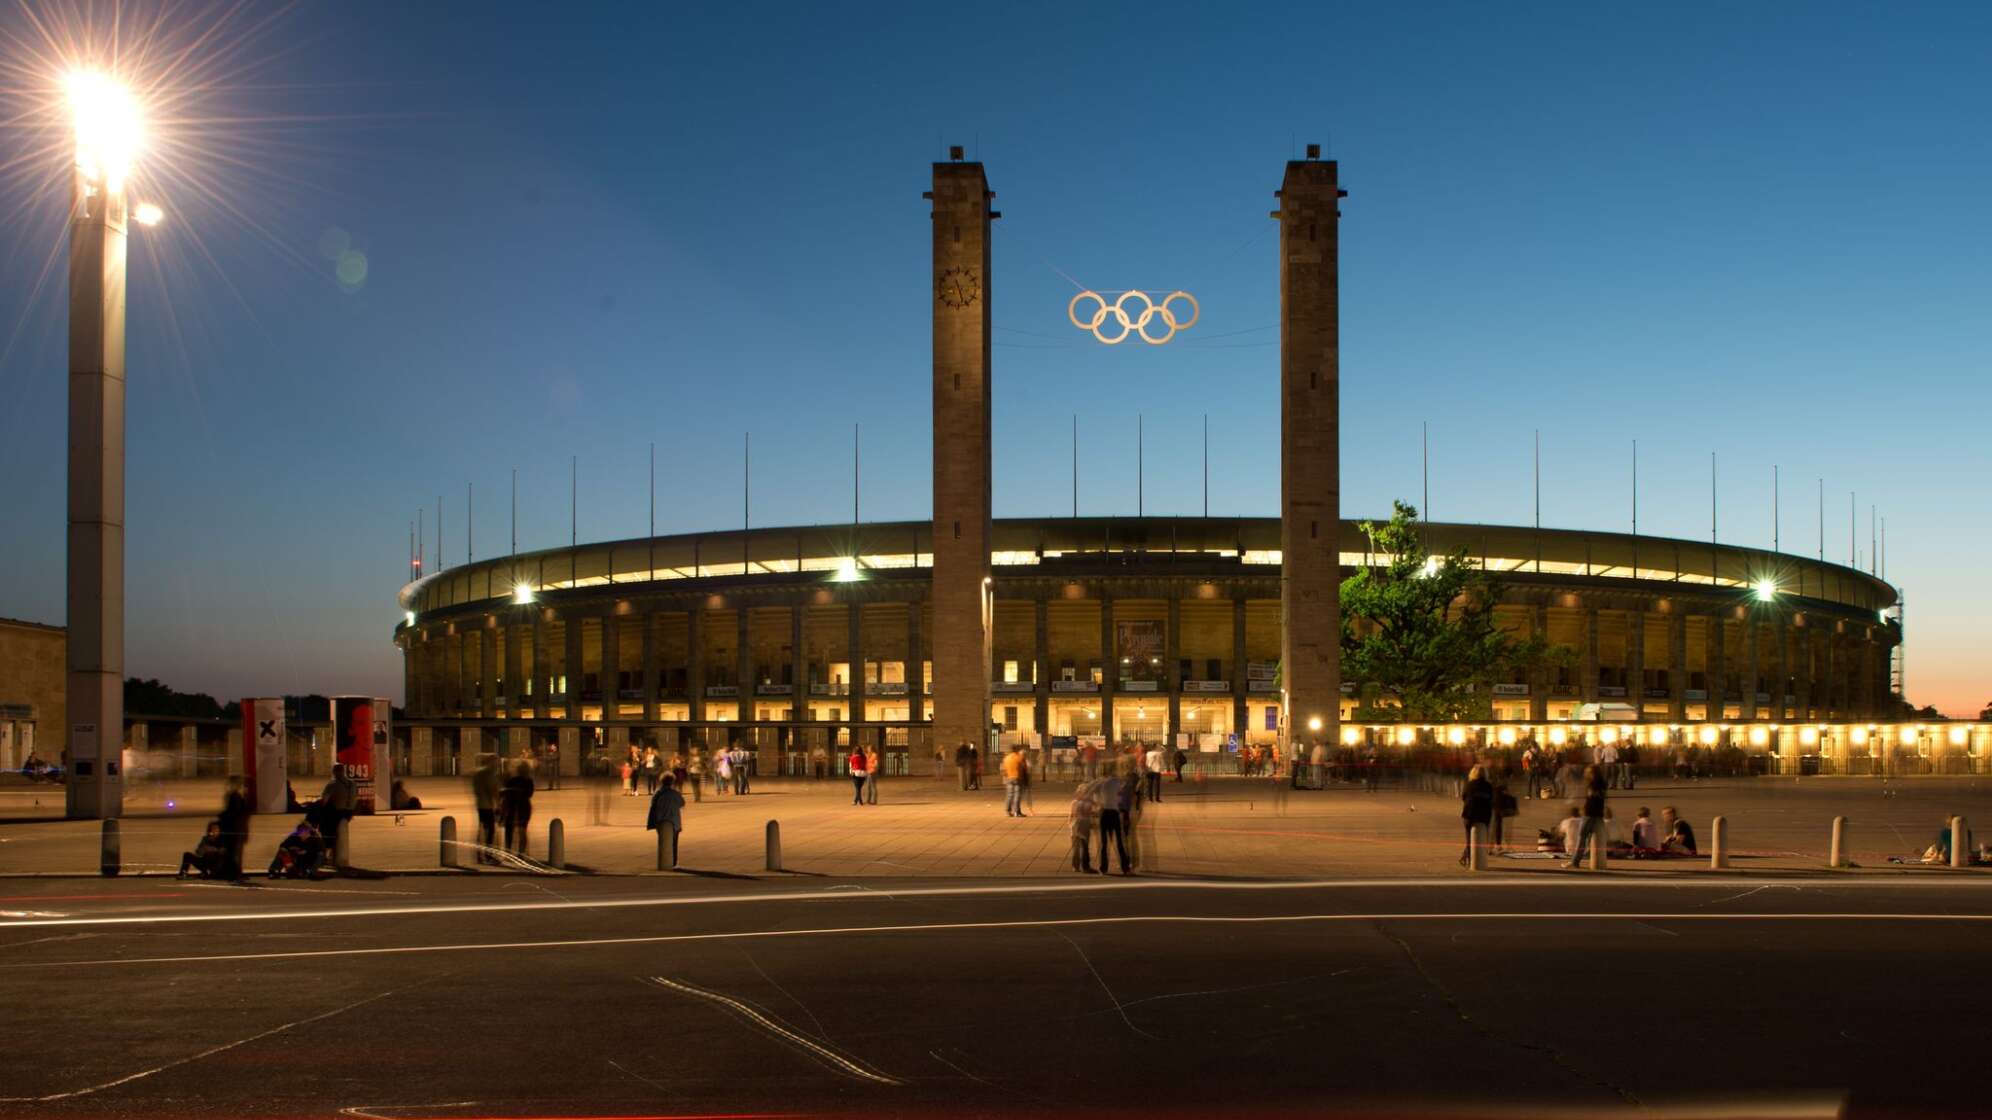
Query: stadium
(1208,633)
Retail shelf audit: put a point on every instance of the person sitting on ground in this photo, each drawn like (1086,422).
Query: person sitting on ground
(300,853)
(1678,836)
(208,854)
(1570,830)
(1645,835)
(400,798)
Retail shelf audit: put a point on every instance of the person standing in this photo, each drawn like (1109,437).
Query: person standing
(335,807)
(1476,808)
(667,810)
(485,787)
(1182,760)
(722,770)
(743,767)
(234,821)
(872,763)
(1628,759)
(653,767)
(1153,762)
(1594,814)
(515,806)
(1107,792)
(691,770)
(858,772)
(1013,783)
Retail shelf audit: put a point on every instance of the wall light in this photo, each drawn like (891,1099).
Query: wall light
(1507,736)
(1808,736)
(1759,736)
(1558,736)
(1314,723)
(1608,735)
(1658,737)
(1405,736)
(1455,736)
(1908,735)
(1766,590)
(1709,736)
(522,593)
(1959,736)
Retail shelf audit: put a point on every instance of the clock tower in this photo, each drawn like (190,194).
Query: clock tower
(961,587)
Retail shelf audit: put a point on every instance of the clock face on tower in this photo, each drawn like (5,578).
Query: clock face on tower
(958,287)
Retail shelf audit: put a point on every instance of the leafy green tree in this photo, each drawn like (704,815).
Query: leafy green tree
(1419,635)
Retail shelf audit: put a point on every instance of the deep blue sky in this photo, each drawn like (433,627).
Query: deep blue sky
(1759,230)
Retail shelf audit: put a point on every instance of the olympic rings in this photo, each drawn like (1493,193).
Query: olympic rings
(1137,324)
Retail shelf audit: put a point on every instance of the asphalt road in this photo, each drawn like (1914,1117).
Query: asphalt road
(660,996)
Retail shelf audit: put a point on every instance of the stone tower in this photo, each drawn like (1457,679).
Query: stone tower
(1310,448)
(961,218)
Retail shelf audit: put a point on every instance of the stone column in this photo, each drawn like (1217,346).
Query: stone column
(1310,445)
(1677,665)
(855,714)
(1109,665)
(575,625)
(1782,683)
(422,752)
(542,676)
(798,669)
(650,674)
(1172,676)
(961,393)
(1539,678)
(1752,681)
(749,679)
(487,669)
(1635,658)
(515,672)
(611,678)
(695,684)
(1041,673)
(1716,669)
(1830,703)
(189,751)
(1240,701)
(410,674)
(1587,682)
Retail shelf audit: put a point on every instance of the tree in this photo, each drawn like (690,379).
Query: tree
(1419,635)
(151,698)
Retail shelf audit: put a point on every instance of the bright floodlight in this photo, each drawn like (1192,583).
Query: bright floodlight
(109,133)
(147,214)
(1766,590)
(847,570)
(522,593)
(1314,723)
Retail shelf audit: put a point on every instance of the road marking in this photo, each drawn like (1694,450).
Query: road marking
(836,1060)
(1042,923)
(850,891)
(209,1052)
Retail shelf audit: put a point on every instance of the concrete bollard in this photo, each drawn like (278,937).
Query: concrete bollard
(1598,848)
(447,851)
(1476,855)
(342,848)
(1960,845)
(1718,844)
(110,861)
(774,845)
(1836,855)
(556,844)
(667,848)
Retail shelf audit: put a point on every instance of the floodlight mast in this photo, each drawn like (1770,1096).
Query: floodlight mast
(109,131)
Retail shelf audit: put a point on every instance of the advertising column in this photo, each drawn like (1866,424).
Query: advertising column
(264,767)
(359,743)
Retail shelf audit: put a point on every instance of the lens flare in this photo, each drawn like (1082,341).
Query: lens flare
(110,133)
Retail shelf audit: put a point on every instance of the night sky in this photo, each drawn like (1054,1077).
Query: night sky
(410,247)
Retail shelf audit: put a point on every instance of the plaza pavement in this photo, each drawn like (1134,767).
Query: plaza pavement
(1224,827)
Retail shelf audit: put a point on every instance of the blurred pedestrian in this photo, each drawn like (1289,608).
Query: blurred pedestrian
(856,765)
(722,771)
(1182,760)
(1476,808)
(1107,792)
(872,761)
(962,763)
(335,807)
(234,821)
(485,787)
(1594,814)
(516,806)
(1080,817)
(1152,765)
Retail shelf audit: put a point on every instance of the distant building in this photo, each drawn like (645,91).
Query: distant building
(32,713)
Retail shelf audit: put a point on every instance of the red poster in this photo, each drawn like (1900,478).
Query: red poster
(352,740)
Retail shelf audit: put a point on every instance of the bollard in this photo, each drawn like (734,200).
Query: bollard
(1477,849)
(556,844)
(667,847)
(774,845)
(1960,845)
(1718,844)
(447,850)
(1598,848)
(1836,856)
(342,848)
(109,863)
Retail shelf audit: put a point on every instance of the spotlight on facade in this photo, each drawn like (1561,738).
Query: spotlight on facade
(1608,735)
(1709,736)
(522,594)
(1558,736)
(1808,736)
(1767,590)
(410,616)
(1759,736)
(847,570)
(1959,736)
(1455,736)
(1350,736)
(1859,736)
(1314,723)
(1405,736)
(1507,736)
(1908,734)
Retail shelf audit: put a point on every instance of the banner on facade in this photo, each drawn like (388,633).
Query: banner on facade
(1139,641)
(265,767)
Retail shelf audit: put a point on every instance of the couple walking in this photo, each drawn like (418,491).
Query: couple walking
(864,765)
(1112,805)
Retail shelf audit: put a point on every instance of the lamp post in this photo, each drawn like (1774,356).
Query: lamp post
(108,133)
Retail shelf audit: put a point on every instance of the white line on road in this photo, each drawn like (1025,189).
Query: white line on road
(1043,923)
(850,891)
